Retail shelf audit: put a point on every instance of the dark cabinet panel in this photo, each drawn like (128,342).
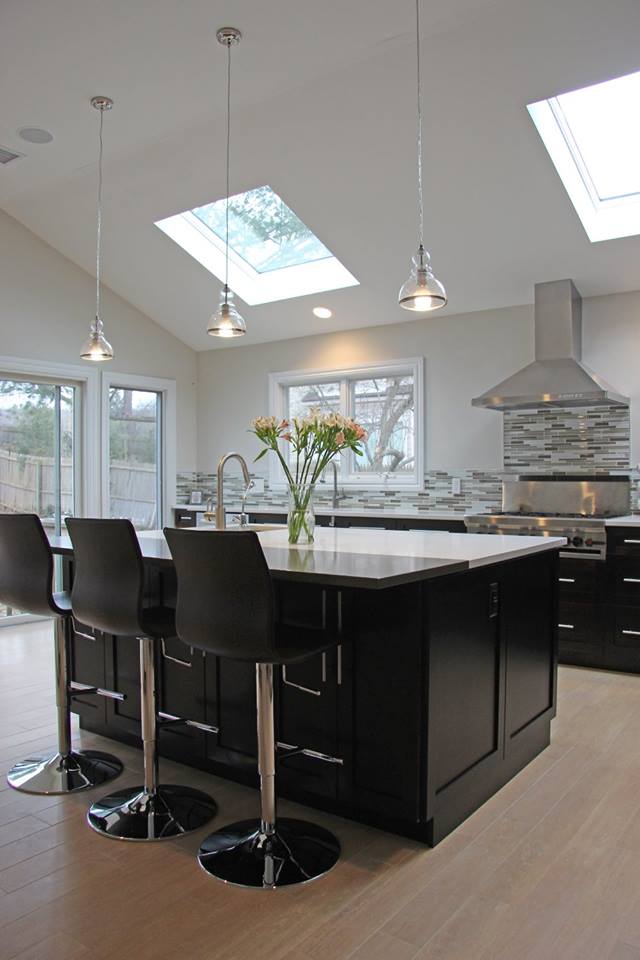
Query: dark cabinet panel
(181,693)
(451,526)
(581,579)
(623,542)
(625,580)
(383,696)
(87,652)
(528,615)
(464,677)
(123,675)
(182,517)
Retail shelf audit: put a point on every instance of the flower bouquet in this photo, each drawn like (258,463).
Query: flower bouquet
(314,441)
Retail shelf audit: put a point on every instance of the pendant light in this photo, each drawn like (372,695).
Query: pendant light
(97,347)
(422,291)
(226,321)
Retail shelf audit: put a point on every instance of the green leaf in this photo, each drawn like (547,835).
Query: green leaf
(261,454)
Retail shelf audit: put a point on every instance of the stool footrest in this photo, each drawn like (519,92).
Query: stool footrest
(77,689)
(170,720)
(293,750)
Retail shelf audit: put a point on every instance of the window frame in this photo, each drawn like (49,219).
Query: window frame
(412,366)
(167,436)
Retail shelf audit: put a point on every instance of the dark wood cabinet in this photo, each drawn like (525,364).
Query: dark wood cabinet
(430,696)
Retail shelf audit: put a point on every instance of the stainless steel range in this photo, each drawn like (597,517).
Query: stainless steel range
(558,506)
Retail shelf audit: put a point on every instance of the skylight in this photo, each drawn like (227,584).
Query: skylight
(272,254)
(593,137)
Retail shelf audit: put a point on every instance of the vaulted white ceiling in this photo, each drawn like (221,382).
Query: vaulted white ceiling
(324,112)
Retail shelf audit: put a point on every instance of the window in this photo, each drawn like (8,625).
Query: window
(593,138)
(272,254)
(39,451)
(386,399)
(135,475)
(139,461)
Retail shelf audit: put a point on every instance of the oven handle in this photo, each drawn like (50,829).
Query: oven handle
(584,555)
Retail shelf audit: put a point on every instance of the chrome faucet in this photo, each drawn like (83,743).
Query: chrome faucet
(337,497)
(220,515)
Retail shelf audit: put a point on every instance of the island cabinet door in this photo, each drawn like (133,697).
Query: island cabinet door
(181,694)
(87,665)
(466,697)
(382,703)
(306,693)
(529,623)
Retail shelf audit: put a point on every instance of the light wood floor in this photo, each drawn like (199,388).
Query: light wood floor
(549,869)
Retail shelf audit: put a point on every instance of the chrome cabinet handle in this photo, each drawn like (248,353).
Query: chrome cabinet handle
(631,633)
(167,656)
(299,686)
(631,541)
(566,626)
(631,579)
(339,666)
(566,580)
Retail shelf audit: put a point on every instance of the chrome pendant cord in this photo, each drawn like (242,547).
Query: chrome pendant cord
(226,242)
(99,221)
(419,84)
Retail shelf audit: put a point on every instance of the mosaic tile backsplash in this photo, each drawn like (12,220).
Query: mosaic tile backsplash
(479,492)
(543,440)
(582,440)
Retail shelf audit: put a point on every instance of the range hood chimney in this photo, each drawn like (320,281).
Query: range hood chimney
(557,377)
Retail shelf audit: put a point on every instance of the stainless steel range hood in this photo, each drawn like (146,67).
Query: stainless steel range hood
(557,377)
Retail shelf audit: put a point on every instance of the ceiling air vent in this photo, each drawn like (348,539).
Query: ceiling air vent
(6,155)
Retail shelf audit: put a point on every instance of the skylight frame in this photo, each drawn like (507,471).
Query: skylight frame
(207,248)
(606,218)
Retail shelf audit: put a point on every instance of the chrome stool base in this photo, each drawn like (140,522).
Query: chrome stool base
(134,814)
(60,774)
(243,855)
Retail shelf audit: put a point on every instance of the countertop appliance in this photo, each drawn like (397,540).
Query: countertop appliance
(574,507)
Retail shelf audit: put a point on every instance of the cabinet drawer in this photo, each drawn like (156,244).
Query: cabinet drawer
(579,623)
(626,628)
(625,580)
(623,542)
(579,578)
(185,518)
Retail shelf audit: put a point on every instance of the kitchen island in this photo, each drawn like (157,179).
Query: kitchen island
(439,687)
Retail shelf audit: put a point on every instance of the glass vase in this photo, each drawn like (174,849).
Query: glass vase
(301,518)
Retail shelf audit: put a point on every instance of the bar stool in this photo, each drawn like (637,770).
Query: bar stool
(26,583)
(225,606)
(107,594)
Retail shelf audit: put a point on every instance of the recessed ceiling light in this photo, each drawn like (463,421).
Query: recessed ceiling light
(35,135)
(323,312)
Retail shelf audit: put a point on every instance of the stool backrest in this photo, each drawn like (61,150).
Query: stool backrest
(26,565)
(225,594)
(108,580)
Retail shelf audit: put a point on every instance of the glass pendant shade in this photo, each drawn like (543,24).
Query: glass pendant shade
(96,347)
(226,321)
(422,291)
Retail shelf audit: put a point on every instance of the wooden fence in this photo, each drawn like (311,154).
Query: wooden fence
(27,486)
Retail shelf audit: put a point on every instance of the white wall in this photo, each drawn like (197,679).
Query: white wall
(46,306)
(464,355)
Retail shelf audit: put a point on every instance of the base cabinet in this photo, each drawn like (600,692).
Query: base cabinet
(599,613)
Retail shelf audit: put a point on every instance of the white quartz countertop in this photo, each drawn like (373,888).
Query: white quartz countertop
(399,514)
(631,520)
(470,549)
